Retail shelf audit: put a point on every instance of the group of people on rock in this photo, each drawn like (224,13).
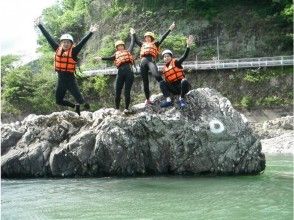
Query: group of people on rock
(171,80)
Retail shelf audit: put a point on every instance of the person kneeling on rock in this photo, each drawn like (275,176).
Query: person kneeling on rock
(174,78)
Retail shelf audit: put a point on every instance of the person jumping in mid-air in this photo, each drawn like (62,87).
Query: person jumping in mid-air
(149,52)
(65,65)
(174,78)
(123,60)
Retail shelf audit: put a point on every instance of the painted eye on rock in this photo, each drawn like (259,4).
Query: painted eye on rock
(216,126)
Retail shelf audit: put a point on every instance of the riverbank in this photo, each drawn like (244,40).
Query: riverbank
(275,129)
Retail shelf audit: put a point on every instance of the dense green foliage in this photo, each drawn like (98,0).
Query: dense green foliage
(24,91)
(246,28)
(7,63)
(268,32)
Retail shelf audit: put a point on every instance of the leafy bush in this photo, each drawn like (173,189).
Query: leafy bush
(176,43)
(18,88)
(107,46)
(95,85)
(272,101)
(259,76)
(247,102)
(43,96)
(8,63)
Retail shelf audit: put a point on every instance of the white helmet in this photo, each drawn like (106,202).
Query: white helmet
(167,51)
(66,37)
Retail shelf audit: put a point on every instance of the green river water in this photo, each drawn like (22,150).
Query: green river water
(265,196)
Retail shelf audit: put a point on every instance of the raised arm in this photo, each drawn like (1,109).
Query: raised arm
(165,34)
(131,47)
(137,41)
(179,61)
(112,58)
(48,37)
(80,45)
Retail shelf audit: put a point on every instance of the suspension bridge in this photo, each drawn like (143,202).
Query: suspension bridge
(212,64)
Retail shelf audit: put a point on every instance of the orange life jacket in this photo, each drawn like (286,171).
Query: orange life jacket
(122,57)
(173,73)
(149,49)
(64,61)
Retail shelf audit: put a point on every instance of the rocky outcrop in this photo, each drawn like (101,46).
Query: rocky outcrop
(209,136)
(273,128)
(277,135)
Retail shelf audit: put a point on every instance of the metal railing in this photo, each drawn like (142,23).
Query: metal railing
(213,64)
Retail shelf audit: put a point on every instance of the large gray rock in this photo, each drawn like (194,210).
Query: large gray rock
(209,136)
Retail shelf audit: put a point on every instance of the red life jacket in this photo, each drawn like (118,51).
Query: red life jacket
(122,57)
(172,73)
(64,61)
(149,49)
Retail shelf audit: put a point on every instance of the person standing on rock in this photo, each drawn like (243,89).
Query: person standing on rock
(65,63)
(148,54)
(123,60)
(174,78)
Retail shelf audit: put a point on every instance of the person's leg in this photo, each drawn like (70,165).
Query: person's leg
(154,71)
(118,87)
(164,87)
(144,73)
(185,87)
(60,92)
(128,86)
(74,90)
(175,88)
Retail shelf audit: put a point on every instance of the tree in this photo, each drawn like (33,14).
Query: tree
(18,88)
(7,63)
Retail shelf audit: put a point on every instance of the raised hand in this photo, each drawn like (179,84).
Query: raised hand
(132,31)
(94,27)
(37,21)
(98,58)
(172,26)
(190,40)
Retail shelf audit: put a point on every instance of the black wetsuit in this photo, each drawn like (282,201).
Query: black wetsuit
(148,64)
(66,80)
(125,77)
(180,87)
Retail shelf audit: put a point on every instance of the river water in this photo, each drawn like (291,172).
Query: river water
(266,196)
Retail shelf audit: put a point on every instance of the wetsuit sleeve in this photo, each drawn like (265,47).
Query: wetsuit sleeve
(131,47)
(179,61)
(139,43)
(79,46)
(157,43)
(109,58)
(48,37)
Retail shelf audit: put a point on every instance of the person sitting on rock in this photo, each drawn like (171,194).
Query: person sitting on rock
(174,78)
(148,54)
(123,60)
(65,65)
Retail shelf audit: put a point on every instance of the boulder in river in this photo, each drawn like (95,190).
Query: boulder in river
(208,136)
